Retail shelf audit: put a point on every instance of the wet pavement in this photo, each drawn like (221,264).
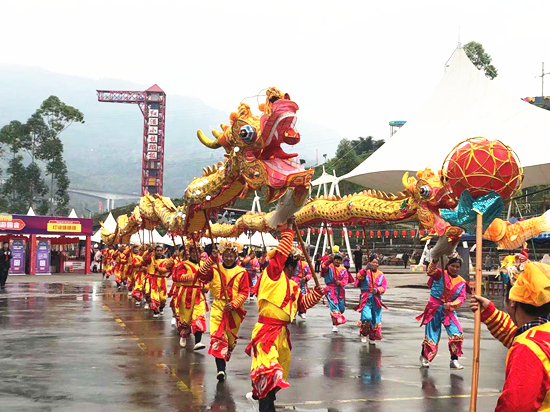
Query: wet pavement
(85,347)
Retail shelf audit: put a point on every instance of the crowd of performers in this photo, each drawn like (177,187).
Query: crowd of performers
(279,279)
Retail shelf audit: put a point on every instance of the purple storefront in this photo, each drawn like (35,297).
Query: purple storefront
(31,237)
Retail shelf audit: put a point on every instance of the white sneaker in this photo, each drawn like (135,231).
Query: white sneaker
(302,315)
(424,362)
(146,306)
(173,322)
(199,346)
(138,303)
(220,376)
(255,404)
(155,315)
(372,342)
(183,342)
(364,339)
(335,329)
(129,293)
(455,365)
(161,312)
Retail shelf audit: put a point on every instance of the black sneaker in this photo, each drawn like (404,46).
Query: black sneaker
(221,376)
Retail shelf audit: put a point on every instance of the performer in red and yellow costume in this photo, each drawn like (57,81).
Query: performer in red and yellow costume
(107,262)
(190,301)
(226,315)
(158,269)
(178,257)
(525,331)
(138,274)
(279,299)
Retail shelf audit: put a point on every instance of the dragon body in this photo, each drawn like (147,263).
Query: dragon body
(254,160)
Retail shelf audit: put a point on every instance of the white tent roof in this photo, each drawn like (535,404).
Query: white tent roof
(324,179)
(96,237)
(31,212)
(256,240)
(110,223)
(145,236)
(73,214)
(465,104)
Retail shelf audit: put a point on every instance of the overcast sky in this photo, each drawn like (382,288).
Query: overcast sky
(350,65)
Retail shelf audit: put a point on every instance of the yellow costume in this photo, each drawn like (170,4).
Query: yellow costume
(279,299)
(158,269)
(138,275)
(190,302)
(224,326)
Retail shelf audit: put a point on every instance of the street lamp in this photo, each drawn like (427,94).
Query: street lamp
(325,156)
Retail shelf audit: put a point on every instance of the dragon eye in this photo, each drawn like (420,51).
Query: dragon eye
(247,133)
(425,191)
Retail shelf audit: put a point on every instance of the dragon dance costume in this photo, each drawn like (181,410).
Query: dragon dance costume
(373,285)
(138,276)
(527,384)
(279,299)
(336,277)
(189,301)
(158,269)
(225,325)
(445,299)
(107,267)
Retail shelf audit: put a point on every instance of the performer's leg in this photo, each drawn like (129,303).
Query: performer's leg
(431,339)
(456,338)
(366,320)
(376,325)
(267,404)
(220,364)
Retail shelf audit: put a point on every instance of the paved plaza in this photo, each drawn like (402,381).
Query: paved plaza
(74,343)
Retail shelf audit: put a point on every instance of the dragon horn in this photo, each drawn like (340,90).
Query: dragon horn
(405,180)
(212,144)
(217,134)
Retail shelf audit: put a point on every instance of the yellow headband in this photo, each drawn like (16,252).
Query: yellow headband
(533,285)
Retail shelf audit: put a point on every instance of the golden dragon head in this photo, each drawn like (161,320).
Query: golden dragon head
(428,195)
(254,144)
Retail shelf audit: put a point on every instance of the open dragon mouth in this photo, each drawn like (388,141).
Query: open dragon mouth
(278,128)
(279,171)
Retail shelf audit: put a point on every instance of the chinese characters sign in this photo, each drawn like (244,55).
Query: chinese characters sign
(8,223)
(64,226)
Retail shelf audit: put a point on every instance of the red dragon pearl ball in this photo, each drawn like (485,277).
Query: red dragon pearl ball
(480,165)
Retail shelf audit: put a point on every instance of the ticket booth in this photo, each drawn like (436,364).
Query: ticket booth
(38,241)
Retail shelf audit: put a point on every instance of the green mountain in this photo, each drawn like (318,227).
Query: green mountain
(104,153)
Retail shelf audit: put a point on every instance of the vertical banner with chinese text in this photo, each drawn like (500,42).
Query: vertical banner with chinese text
(42,257)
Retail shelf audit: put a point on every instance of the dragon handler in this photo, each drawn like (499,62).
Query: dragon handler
(279,299)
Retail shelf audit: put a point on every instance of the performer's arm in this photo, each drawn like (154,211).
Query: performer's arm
(457,303)
(205,273)
(242,294)
(527,382)
(499,324)
(147,256)
(433,271)
(182,275)
(310,299)
(277,263)
(361,275)
(383,285)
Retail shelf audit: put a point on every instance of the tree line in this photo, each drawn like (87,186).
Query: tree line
(37,174)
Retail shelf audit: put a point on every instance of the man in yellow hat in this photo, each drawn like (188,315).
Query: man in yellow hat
(525,330)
